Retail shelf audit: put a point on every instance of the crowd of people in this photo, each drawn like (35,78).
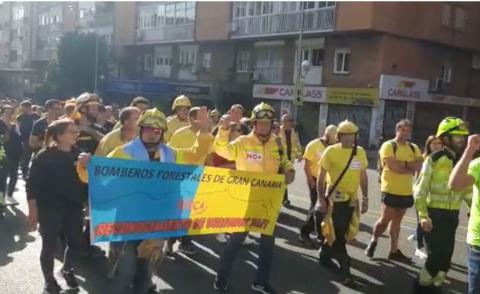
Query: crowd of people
(52,147)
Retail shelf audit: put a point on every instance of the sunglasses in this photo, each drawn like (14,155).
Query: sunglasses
(264,114)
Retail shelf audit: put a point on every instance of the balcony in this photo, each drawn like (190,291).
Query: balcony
(165,33)
(318,20)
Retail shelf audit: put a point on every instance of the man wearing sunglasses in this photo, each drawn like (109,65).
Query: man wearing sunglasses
(258,151)
(181,107)
(438,205)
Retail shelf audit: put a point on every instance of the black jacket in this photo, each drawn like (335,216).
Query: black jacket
(53,179)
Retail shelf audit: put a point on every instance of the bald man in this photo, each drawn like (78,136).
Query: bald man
(313,154)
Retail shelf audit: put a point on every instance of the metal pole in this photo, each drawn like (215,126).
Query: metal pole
(96,52)
(299,61)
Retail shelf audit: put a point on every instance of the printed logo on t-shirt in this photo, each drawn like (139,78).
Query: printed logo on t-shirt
(356,164)
(254,156)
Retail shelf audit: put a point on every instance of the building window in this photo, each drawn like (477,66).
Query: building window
(13,56)
(166,14)
(269,63)
(342,61)
(207,60)
(460,18)
(446,16)
(18,13)
(446,73)
(148,62)
(187,55)
(243,61)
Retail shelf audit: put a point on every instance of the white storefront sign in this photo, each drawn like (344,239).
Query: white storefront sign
(287,92)
(403,88)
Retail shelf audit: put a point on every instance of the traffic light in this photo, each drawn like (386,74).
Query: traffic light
(298,97)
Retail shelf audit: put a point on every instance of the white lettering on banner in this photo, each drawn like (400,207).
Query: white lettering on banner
(254,156)
(356,164)
(287,92)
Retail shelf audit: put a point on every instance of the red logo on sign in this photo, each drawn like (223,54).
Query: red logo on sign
(270,91)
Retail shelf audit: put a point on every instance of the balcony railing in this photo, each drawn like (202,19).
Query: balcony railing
(175,32)
(322,19)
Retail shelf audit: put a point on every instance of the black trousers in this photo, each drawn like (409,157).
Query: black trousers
(25,160)
(441,240)
(10,171)
(52,221)
(314,218)
(342,214)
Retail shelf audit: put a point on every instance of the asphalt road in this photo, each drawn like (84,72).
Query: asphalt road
(295,268)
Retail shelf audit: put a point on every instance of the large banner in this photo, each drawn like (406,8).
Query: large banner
(136,200)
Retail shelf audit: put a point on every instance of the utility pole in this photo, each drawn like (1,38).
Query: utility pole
(298,97)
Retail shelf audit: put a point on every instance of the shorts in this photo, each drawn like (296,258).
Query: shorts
(397,201)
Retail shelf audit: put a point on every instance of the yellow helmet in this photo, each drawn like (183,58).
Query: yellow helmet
(263,111)
(153,118)
(180,101)
(452,126)
(88,99)
(214,112)
(347,127)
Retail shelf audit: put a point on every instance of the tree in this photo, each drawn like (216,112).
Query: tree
(72,71)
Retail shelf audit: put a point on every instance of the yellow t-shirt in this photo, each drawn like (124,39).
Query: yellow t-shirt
(313,153)
(392,182)
(334,160)
(174,124)
(109,142)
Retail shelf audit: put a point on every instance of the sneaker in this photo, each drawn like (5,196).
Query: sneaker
(412,237)
(399,256)
(439,279)
(420,254)
(306,240)
(11,201)
(370,251)
(52,288)
(248,241)
(263,288)
(70,278)
(222,238)
(220,285)
(188,249)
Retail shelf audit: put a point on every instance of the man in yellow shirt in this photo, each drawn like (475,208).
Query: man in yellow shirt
(181,106)
(258,151)
(186,137)
(128,130)
(291,142)
(312,156)
(344,169)
(400,160)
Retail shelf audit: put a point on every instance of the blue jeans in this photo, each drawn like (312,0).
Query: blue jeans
(473,269)
(129,270)
(264,260)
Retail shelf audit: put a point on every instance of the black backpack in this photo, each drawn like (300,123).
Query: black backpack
(394,147)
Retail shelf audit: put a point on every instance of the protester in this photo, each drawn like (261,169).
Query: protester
(54,111)
(57,204)
(104,118)
(185,138)
(466,174)
(127,132)
(85,115)
(13,152)
(438,205)
(214,115)
(344,169)
(292,144)
(181,106)
(25,124)
(271,160)
(432,145)
(313,154)
(236,114)
(142,103)
(133,267)
(400,161)
(69,107)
